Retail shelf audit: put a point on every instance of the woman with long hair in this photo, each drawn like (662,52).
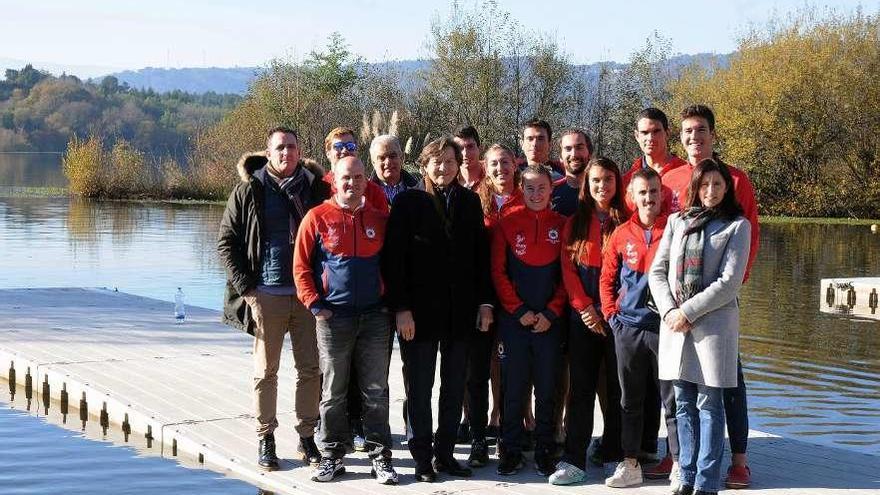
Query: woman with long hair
(600,210)
(695,279)
(499,194)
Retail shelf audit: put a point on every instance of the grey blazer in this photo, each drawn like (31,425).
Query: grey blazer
(707,354)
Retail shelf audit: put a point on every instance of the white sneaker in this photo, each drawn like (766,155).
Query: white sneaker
(383,471)
(675,477)
(625,475)
(567,474)
(328,469)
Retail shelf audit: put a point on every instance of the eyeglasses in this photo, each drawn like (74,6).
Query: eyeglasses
(349,145)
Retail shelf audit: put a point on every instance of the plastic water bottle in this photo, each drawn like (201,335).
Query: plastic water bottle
(179,308)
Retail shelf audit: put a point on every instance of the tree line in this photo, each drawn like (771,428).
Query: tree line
(798,103)
(41,112)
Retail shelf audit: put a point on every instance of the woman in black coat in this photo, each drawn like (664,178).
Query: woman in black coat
(435,264)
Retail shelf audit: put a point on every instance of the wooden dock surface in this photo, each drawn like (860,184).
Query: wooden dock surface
(189,386)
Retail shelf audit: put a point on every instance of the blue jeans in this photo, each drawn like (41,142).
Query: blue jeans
(354,345)
(700,415)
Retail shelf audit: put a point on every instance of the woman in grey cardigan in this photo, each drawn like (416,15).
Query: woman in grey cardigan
(695,279)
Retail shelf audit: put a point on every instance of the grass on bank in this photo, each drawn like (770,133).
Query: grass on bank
(770,220)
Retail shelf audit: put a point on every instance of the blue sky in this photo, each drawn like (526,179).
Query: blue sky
(122,34)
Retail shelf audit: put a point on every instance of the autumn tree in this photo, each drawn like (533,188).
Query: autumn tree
(798,107)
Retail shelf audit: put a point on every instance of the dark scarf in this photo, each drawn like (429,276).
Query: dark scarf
(296,189)
(689,271)
(443,203)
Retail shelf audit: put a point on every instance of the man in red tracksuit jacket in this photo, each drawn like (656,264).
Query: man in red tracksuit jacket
(626,305)
(652,135)
(336,269)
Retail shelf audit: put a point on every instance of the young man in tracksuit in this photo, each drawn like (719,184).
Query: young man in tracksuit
(626,301)
(525,270)
(336,266)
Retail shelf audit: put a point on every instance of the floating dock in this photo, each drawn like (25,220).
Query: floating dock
(188,389)
(853,297)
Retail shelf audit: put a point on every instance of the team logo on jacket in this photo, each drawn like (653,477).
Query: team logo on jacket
(519,244)
(371,233)
(632,256)
(331,238)
(553,236)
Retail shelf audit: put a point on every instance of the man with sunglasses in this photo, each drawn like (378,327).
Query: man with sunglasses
(339,143)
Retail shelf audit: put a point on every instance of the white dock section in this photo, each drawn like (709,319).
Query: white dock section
(856,297)
(189,387)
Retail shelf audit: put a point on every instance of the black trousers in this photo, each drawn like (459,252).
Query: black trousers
(587,351)
(420,363)
(637,371)
(479,364)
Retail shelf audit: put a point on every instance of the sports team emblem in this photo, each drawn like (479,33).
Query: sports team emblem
(553,235)
(519,244)
(632,256)
(371,233)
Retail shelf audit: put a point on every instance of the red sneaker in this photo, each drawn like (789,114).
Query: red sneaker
(660,470)
(738,477)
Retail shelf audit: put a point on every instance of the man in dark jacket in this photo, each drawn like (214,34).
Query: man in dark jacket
(255,246)
(435,265)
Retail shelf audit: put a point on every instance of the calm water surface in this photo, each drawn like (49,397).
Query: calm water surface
(40,458)
(811,376)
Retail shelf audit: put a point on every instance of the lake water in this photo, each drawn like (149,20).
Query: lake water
(811,376)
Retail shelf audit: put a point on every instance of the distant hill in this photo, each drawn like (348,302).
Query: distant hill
(233,80)
(236,79)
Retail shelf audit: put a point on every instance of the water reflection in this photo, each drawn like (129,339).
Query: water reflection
(31,169)
(811,375)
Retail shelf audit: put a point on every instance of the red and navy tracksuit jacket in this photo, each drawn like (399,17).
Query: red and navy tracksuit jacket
(525,262)
(623,284)
(336,258)
(581,278)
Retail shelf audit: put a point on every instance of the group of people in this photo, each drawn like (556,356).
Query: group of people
(552,280)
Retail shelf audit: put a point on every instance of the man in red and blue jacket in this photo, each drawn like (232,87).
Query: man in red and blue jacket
(626,305)
(336,268)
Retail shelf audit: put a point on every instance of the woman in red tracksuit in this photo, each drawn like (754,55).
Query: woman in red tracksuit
(600,210)
(499,194)
(525,271)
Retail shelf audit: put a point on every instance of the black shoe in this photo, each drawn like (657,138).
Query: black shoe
(479,454)
(509,464)
(544,463)
(451,466)
(464,434)
(309,451)
(683,490)
(425,473)
(701,492)
(266,451)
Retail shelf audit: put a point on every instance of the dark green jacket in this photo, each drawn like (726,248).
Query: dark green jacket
(241,235)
